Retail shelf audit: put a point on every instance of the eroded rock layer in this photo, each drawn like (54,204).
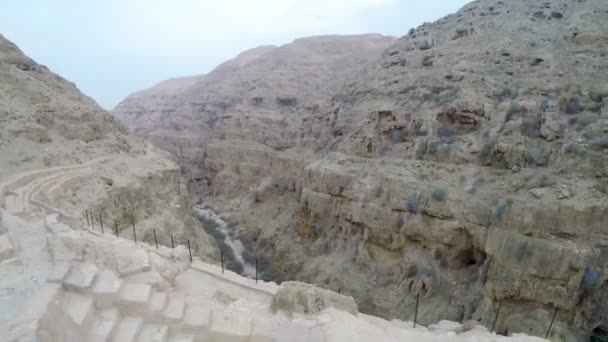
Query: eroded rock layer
(466,163)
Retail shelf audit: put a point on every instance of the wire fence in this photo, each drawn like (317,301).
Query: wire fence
(598,334)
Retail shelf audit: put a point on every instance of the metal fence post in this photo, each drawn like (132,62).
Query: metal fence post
(189,250)
(134,234)
(551,324)
(496,317)
(101,223)
(222,259)
(155,240)
(416,309)
(87,215)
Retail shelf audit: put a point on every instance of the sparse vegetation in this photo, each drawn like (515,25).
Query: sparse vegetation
(408,89)
(447,134)
(487,152)
(413,204)
(515,110)
(439,194)
(506,93)
(585,119)
(600,143)
(537,156)
(500,208)
(531,126)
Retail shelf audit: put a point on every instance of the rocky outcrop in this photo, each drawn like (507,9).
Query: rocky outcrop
(465,165)
(264,95)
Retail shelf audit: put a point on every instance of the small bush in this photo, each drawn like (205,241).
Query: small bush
(537,156)
(487,152)
(585,119)
(439,194)
(506,93)
(318,228)
(500,207)
(515,110)
(408,89)
(591,279)
(447,134)
(413,205)
(545,104)
(397,135)
(531,127)
(570,104)
(598,144)
(574,148)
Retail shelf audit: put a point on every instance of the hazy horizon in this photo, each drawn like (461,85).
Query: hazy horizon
(113,48)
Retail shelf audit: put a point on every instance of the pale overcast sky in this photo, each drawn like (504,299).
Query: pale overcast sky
(111,48)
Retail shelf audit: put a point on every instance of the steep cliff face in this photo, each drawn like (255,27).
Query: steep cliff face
(263,96)
(80,159)
(466,163)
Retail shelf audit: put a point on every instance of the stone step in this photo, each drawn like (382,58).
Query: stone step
(106,289)
(196,320)
(154,333)
(59,271)
(176,308)
(134,298)
(80,278)
(128,330)
(131,259)
(183,338)
(230,327)
(156,306)
(267,329)
(6,248)
(104,326)
(79,309)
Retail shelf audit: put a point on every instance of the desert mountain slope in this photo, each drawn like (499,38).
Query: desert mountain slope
(261,96)
(79,158)
(466,163)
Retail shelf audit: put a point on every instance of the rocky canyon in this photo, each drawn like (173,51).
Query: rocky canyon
(464,162)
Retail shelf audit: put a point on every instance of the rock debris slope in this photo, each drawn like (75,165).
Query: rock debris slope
(62,279)
(466,163)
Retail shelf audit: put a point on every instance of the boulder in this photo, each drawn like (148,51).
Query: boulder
(296,297)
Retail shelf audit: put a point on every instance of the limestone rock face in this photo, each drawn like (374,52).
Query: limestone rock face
(465,163)
(296,297)
(264,95)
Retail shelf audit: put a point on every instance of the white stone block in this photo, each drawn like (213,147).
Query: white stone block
(104,326)
(106,289)
(154,333)
(183,338)
(59,271)
(157,305)
(175,308)
(128,330)
(267,329)
(80,277)
(294,332)
(6,248)
(230,328)
(79,309)
(134,298)
(132,260)
(197,320)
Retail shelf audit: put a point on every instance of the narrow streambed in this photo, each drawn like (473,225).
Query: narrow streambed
(238,255)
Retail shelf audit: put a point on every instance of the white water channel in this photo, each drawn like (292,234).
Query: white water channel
(229,238)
